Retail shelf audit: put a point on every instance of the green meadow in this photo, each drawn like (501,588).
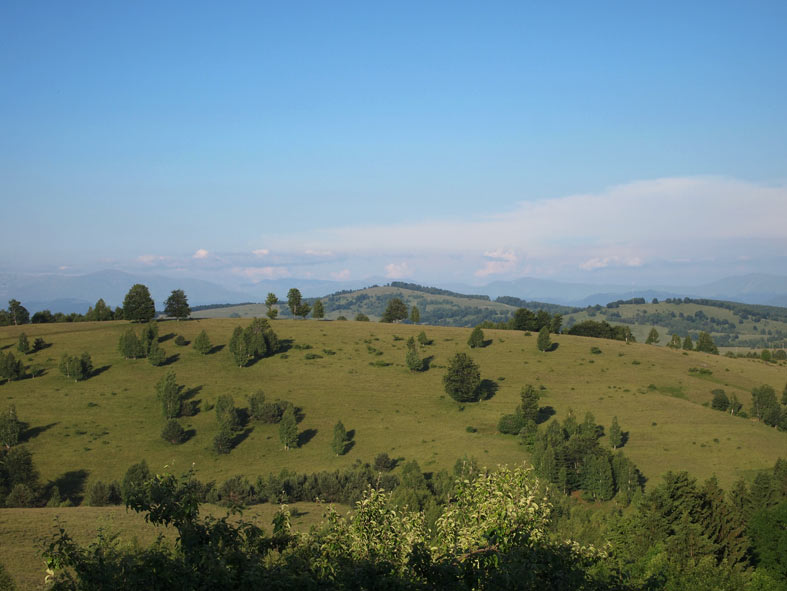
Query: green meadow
(79,432)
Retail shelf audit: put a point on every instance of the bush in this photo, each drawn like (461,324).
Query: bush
(595,351)
(476,338)
(343,318)
(202,343)
(462,378)
(423,339)
(100,494)
(361,317)
(21,496)
(181,341)
(383,463)
(256,402)
(236,491)
(271,412)
(173,432)
(510,424)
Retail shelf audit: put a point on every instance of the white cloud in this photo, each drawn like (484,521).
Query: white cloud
(150,259)
(397,270)
(503,261)
(261,252)
(341,275)
(200,254)
(613,261)
(318,253)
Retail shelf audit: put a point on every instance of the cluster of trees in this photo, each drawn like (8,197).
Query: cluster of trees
(11,368)
(765,407)
(602,330)
(570,456)
(256,341)
(15,315)
(77,368)
(146,345)
(412,358)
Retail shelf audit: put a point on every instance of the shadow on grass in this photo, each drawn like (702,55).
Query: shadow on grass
(170,360)
(99,370)
(553,347)
(284,345)
(71,485)
(215,349)
(306,436)
(427,363)
(241,436)
(166,337)
(188,434)
(487,389)
(29,433)
(544,413)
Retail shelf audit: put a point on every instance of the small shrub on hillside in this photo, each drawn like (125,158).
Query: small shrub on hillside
(202,343)
(101,494)
(22,344)
(361,317)
(271,412)
(383,462)
(236,491)
(21,496)
(595,351)
(222,442)
(312,356)
(342,318)
(423,339)
(510,424)
(173,432)
(38,344)
(471,429)
(181,341)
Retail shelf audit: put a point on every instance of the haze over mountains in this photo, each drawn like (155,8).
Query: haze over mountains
(74,293)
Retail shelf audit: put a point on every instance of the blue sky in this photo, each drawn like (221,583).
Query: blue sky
(432,141)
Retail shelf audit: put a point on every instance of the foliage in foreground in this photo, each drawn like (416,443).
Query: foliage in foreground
(493,535)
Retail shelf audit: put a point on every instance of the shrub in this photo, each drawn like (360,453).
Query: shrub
(476,338)
(181,341)
(361,317)
(256,403)
(462,378)
(595,351)
(21,496)
(202,343)
(271,412)
(510,424)
(383,462)
(101,494)
(236,491)
(423,339)
(342,318)
(173,432)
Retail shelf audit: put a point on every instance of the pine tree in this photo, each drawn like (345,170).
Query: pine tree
(22,344)
(294,300)
(168,393)
(129,345)
(222,442)
(653,337)
(239,348)
(674,342)
(688,344)
(476,338)
(271,301)
(528,407)
(412,359)
(318,310)
(615,434)
(706,345)
(202,343)
(544,343)
(340,439)
(415,315)
(462,378)
(10,427)
(156,354)
(138,306)
(177,305)
(288,429)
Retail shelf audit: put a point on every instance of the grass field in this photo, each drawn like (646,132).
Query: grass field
(96,429)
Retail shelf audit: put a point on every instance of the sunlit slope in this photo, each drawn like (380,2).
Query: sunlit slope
(113,419)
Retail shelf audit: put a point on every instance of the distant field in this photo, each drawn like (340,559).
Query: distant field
(80,432)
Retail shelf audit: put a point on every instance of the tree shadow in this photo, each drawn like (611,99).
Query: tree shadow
(188,434)
(487,389)
(486,343)
(166,337)
(284,345)
(215,349)
(427,363)
(40,347)
(544,413)
(348,445)
(624,438)
(170,360)
(99,370)
(29,433)
(553,347)
(187,394)
(240,437)
(71,485)
(306,436)
(243,416)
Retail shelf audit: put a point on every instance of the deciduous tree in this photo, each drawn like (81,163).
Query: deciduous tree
(394,311)
(476,338)
(18,313)
(294,300)
(288,429)
(168,393)
(415,314)
(177,305)
(340,439)
(138,306)
(544,343)
(271,301)
(653,337)
(706,345)
(318,311)
(202,343)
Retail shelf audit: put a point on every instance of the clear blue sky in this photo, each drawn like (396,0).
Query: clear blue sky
(183,136)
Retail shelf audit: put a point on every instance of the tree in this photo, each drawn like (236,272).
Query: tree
(293,300)
(415,314)
(239,348)
(688,344)
(528,406)
(524,320)
(361,317)
(226,413)
(424,340)
(288,428)
(168,393)
(10,427)
(340,439)
(674,342)
(462,378)
(394,311)
(133,480)
(615,434)
(303,310)
(720,400)
(544,343)
(156,354)
(100,312)
(138,306)
(177,305)
(318,311)
(11,368)
(555,324)
(412,359)
(18,313)
(476,338)
(222,442)
(706,345)
(202,343)
(764,406)
(653,337)
(148,337)
(271,301)
(22,344)
(78,368)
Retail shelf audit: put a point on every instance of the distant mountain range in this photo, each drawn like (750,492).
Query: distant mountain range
(74,293)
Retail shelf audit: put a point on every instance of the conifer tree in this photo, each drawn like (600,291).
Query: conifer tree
(544,343)
(22,344)
(318,311)
(10,427)
(476,338)
(340,439)
(168,393)
(528,407)
(653,337)
(615,434)
(271,301)
(202,343)
(288,429)
(688,344)
(415,314)
(239,348)
(674,342)
(177,305)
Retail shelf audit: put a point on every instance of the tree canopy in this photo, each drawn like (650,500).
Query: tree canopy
(462,378)
(394,311)
(138,306)
(177,305)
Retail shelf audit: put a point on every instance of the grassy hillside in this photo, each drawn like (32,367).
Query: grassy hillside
(729,328)
(435,309)
(80,432)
